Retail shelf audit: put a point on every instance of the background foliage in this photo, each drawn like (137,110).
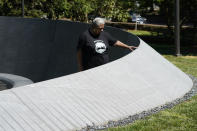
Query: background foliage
(83,10)
(112,10)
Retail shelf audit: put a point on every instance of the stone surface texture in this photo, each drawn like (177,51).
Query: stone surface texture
(137,82)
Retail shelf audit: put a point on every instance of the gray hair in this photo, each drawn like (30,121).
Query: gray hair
(98,21)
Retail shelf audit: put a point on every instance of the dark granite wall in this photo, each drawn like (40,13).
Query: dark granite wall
(42,49)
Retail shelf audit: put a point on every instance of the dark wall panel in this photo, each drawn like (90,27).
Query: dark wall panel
(43,49)
(64,50)
(25,46)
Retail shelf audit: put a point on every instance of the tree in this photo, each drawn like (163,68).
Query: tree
(54,9)
(168,12)
(114,9)
(79,9)
(10,8)
(33,8)
(188,12)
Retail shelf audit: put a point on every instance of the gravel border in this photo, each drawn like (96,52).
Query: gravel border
(144,114)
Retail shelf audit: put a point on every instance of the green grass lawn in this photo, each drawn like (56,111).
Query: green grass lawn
(187,64)
(143,32)
(182,117)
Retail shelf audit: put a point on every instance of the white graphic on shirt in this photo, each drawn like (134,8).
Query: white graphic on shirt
(100,46)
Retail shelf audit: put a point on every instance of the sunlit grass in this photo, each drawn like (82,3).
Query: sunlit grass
(145,33)
(187,64)
(139,32)
(180,118)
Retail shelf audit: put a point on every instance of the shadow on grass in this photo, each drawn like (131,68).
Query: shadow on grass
(166,45)
(167,49)
(163,40)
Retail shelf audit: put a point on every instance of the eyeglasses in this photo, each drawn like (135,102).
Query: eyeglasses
(100,28)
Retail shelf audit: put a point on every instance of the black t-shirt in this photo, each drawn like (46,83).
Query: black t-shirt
(95,49)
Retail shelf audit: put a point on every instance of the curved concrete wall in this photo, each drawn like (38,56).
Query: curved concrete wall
(41,49)
(139,81)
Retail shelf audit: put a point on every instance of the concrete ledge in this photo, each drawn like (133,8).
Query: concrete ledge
(14,80)
(139,81)
(131,119)
(134,85)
